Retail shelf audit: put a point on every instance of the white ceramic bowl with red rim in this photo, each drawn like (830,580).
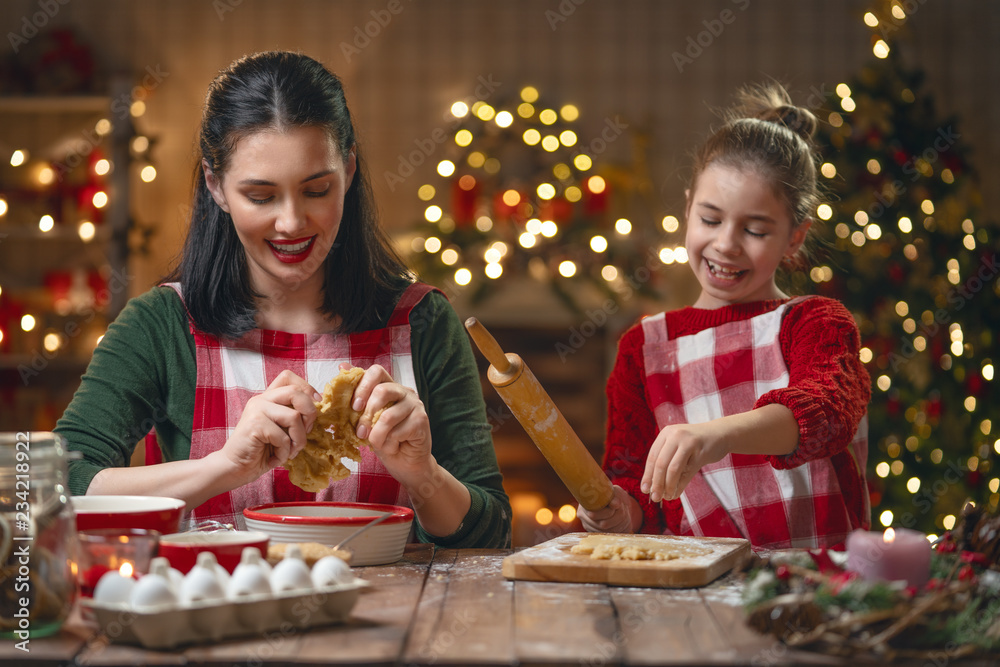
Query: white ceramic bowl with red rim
(182,549)
(330,522)
(150,512)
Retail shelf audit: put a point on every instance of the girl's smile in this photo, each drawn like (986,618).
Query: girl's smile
(722,273)
(738,232)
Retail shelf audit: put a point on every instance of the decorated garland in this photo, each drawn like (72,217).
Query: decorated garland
(809,600)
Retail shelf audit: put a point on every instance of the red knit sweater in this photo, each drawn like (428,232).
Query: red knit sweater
(828,392)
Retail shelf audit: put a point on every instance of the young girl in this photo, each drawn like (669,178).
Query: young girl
(743,415)
(285,277)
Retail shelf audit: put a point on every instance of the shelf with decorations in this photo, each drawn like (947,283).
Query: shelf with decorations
(47,104)
(66,167)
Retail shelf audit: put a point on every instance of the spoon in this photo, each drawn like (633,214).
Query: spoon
(362,529)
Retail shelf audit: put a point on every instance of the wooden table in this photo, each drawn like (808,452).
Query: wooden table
(449,606)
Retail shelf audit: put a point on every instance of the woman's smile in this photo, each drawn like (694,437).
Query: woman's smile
(293,251)
(285,192)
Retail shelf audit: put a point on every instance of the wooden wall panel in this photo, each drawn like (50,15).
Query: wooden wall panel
(611,58)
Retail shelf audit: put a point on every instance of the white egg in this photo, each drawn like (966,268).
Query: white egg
(291,573)
(154,590)
(202,583)
(331,571)
(222,574)
(174,576)
(113,588)
(249,578)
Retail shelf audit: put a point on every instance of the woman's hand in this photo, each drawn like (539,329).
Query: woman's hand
(678,453)
(622,515)
(272,428)
(402,441)
(402,436)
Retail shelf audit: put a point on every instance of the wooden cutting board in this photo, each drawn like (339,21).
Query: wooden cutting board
(552,561)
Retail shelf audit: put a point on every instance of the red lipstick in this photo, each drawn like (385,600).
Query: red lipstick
(292,251)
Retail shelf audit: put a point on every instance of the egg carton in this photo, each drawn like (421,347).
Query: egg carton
(224,619)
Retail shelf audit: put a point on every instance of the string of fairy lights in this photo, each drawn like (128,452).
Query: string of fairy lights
(548,213)
(42,177)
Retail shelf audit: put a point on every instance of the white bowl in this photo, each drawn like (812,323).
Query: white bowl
(328,523)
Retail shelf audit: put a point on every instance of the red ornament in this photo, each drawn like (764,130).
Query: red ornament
(974,558)
(95,156)
(10,317)
(937,348)
(892,404)
(967,574)
(841,579)
(66,65)
(934,408)
(953,162)
(874,492)
(974,384)
(58,284)
(556,209)
(85,203)
(502,210)
(595,202)
(464,195)
(947,544)
(99,286)
(896,273)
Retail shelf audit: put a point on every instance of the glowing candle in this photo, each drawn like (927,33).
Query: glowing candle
(894,555)
(114,586)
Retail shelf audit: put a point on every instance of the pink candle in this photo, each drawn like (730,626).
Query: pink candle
(897,554)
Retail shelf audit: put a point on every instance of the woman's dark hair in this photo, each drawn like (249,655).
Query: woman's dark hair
(280,90)
(765,133)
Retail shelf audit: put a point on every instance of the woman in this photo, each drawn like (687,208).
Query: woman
(285,277)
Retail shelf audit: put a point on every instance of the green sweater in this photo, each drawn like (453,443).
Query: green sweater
(143,375)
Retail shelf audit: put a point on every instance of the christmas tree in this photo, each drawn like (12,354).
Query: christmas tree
(519,193)
(912,257)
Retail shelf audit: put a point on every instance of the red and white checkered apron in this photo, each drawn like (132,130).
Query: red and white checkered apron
(723,371)
(232,372)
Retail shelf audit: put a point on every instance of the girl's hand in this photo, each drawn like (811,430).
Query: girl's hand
(678,453)
(402,436)
(272,428)
(622,515)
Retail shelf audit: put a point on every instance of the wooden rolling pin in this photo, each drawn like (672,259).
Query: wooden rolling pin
(540,417)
